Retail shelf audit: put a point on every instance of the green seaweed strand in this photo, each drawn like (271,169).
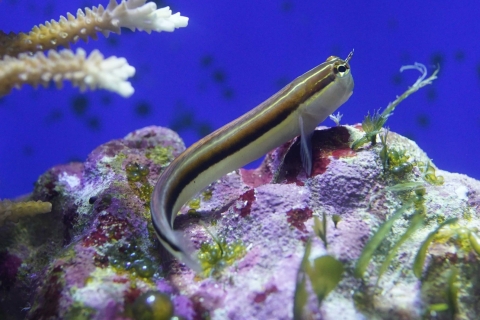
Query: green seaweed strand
(374,242)
(300,297)
(422,252)
(374,123)
(417,222)
(324,275)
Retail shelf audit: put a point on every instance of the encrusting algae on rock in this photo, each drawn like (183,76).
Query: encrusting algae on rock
(101,257)
(10,210)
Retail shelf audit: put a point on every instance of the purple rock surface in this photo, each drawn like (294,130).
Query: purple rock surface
(96,256)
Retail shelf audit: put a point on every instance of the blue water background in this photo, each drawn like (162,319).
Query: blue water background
(235,54)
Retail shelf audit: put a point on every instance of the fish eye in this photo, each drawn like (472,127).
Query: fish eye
(340,69)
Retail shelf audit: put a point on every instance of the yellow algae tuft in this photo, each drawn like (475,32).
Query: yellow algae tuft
(13,211)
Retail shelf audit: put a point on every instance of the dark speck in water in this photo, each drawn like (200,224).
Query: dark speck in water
(437,59)
(80,105)
(460,55)
(183,120)
(54,116)
(112,41)
(423,120)
(397,79)
(143,109)
(27,150)
(206,60)
(219,76)
(204,128)
(94,123)
(228,93)
(431,94)
(106,100)
(287,6)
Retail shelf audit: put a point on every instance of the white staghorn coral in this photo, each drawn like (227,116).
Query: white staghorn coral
(84,72)
(92,72)
(132,14)
(136,14)
(10,210)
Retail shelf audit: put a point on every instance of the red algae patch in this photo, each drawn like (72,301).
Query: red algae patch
(108,228)
(256,177)
(262,296)
(297,218)
(333,142)
(247,198)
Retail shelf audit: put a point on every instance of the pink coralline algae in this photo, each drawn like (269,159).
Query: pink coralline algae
(96,256)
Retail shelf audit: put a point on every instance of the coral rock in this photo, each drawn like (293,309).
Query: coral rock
(100,258)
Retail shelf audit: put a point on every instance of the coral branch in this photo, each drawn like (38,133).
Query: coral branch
(84,72)
(132,14)
(10,210)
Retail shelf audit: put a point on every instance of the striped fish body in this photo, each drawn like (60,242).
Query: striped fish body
(295,110)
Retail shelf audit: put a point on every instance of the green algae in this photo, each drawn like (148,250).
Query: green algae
(415,224)
(449,295)
(429,174)
(324,274)
(151,305)
(474,242)
(143,267)
(422,252)
(160,155)
(372,124)
(194,204)
(117,162)
(137,179)
(452,292)
(130,259)
(336,219)
(396,162)
(412,191)
(375,240)
(320,228)
(216,256)
(219,254)
(79,312)
(207,194)
(464,238)
(300,297)
(407,186)
(399,162)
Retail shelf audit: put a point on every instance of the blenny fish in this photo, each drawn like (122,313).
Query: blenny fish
(294,110)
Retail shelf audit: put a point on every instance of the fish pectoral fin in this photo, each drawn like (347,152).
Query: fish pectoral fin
(305,145)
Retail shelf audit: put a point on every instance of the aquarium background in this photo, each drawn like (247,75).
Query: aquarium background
(235,54)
